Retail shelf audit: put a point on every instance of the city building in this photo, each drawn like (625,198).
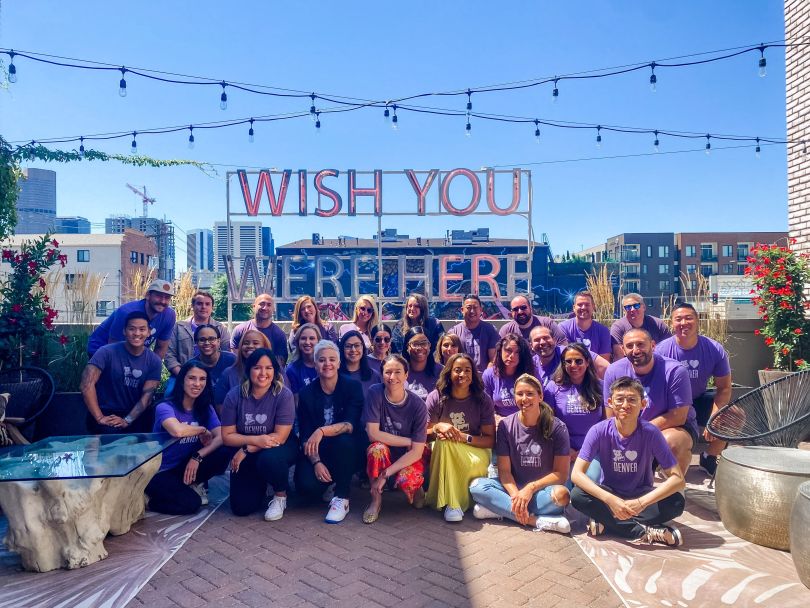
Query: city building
(161,231)
(245,239)
(102,272)
(268,244)
(36,203)
(200,250)
(72,225)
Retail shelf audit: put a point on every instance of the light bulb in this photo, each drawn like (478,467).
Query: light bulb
(758,149)
(653,81)
(317,122)
(81,147)
(468,130)
(394,119)
(763,64)
(191,138)
(12,70)
(536,132)
(555,94)
(223,101)
(655,143)
(134,146)
(598,138)
(312,110)
(387,114)
(469,100)
(250,132)
(708,146)
(122,84)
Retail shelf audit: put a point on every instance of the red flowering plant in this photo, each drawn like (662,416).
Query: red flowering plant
(779,275)
(25,312)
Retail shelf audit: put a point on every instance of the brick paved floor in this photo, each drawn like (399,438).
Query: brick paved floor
(408,558)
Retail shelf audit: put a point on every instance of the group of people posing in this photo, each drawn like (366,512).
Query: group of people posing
(516,423)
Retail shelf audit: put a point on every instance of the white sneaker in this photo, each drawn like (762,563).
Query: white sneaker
(453,514)
(492,471)
(553,524)
(328,493)
(481,512)
(200,490)
(338,509)
(276,509)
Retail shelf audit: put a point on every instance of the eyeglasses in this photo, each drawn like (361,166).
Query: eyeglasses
(353,346)
(206,340)
(574,361)
(422,344)
(367,309)
(381,339)
(629,307)
(520,308)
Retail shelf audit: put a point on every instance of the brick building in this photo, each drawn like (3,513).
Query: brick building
(797,72)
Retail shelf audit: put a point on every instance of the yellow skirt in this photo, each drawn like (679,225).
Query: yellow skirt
(453,466)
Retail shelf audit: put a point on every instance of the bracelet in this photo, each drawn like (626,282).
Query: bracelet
(128,419)
(316,462)
(197,457)
(245,449)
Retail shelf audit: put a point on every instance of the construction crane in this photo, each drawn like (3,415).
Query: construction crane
(146,199)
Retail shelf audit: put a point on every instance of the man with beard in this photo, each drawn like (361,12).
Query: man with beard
(636,317)
(667,391)
(477,336)
(547,355)
(582,328)
(157,310)
(263,308)
(524,321)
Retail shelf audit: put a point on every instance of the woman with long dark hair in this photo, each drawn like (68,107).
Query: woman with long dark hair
(533,460)
(257,418)
(461,420)
(449,345)
(188,414)
(354,362)
(416,313)
(422,372)
(513,358)
(380,346)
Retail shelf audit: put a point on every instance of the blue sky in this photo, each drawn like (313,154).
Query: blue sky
(383,51)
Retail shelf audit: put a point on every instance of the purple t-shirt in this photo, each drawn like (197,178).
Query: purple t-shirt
(467,415)
(476,342)
(180,451)
(627,461)
(278,340)
(253,416)
(375,364)
(420,383)
(545,372)
(299,375)
(708,358)
(112,328)
(512,327)
(406,420)
(666,387)
(596,338)
(366,384)
(502,392)
(225,361)
(531,456)
(123,375)
(655,326)
(568,407)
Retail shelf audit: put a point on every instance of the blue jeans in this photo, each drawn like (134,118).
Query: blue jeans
(594,472)
(491,494)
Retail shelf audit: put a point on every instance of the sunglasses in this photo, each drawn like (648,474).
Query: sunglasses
(206,340)
(520,308)
(381,339)
(367,309)
(574,361)
(629,307)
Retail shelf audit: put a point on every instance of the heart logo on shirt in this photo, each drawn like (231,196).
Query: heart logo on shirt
(261,418)
(631,454)
(694,363)
(137,373)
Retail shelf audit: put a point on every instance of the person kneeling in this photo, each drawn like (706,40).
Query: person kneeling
(625,503)
(533,460)
(189,415)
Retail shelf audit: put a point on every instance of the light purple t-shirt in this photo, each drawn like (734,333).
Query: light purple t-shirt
(406,420)
(299,375)
(655,326)
(112,328)
(420,383)
(568,407)
(512,327)
(476,342)
(627,461)
(467,415)
(277,337)
(374,378)
(123,375)
(596,338)
(502,392)
(181,450)
(531,455)
(253,416)
(708,358)
(666,387)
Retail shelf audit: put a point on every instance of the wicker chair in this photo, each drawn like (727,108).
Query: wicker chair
(30,391)
(775,414)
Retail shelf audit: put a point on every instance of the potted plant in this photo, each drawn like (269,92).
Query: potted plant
(779,275)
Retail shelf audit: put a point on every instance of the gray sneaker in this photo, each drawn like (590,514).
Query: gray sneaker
(200,490)
(662,535)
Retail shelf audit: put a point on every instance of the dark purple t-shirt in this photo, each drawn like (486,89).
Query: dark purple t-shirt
(420,383)
(666,387)
(374,378)
(112,328)
(180,451)
(655,326)
(299,375)
(406,420)
(596,338)
(253,416)
(467,415)
(512,327)
(476,342)
(627,461)
(278,340)
(502,392)
(123,375)
(531,455)
(569,408)
(708,358)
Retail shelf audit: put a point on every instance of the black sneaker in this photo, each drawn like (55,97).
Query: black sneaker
(662,535)
(708,463)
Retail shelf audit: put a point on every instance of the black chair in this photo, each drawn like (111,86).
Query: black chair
(775,414)
(30,392)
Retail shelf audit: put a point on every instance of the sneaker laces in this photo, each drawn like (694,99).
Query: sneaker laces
(655,535)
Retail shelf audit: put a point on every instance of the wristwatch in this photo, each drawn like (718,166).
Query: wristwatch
(128,419)
(469,438)
(197,457)
(245,449)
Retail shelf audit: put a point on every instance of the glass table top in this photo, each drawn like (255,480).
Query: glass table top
(81,457)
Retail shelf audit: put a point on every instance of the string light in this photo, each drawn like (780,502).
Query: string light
(469,100)
(763,64)
(318,121)
(655,143)
(223,99)
(12,69)
(312,110)
(122,84)
(757,150)
(598,137)
(468,128)
(250,132)
(653,78)
(190,137)
(555,94)
(394,118)
(708,144)
(134,145)
(537,130)
(386,113)
(81,147)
